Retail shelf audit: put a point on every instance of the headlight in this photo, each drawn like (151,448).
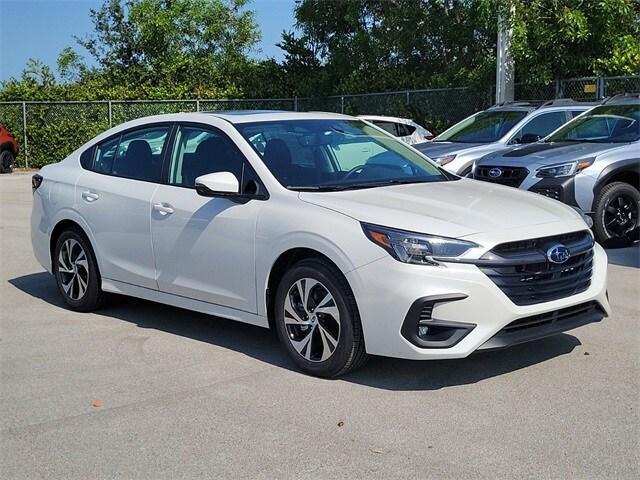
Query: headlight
(564,169)
(416,248)
(444,160)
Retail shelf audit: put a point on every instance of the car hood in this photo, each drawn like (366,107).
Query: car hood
(548,153)
(440,149)
(452,209)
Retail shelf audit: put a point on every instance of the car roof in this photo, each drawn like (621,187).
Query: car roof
(249,116)
(385,118)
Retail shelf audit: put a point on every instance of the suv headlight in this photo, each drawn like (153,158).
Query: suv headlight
(564,169)
(415,248)
(444,160)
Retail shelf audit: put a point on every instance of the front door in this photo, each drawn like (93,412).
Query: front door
(204,246)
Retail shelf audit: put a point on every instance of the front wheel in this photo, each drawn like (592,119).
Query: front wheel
(7,160)
(616,214)
(317,320)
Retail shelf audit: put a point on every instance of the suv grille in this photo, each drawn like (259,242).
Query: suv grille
(510,176)
(523,272)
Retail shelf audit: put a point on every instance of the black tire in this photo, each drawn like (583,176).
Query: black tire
(349,353)
(616,215)
(93,297)
(7,161)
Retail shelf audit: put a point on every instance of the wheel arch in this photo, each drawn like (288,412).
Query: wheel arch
(627,171)
(280,266)
(62,226)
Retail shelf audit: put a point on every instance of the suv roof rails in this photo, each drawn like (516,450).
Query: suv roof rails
(558,102)
(622,98)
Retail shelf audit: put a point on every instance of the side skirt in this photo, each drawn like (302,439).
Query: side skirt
(121,288)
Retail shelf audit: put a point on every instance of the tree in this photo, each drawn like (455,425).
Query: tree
(571,38)
(193,44)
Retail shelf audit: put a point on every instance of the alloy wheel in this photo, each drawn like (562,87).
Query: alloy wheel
(73,269)
(312,320)
(621,216)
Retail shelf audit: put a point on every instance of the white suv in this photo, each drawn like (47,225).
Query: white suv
(343,239)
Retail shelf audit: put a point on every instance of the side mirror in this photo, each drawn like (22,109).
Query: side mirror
(529,138)
(218,184)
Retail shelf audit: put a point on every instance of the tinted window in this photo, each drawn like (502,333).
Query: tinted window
(199,151)
(542,125)
(105,156)
(336,154)
(405,130)
(575,113)
(86,159)
(603,124)
(387,127)
(484,127)
(139,154)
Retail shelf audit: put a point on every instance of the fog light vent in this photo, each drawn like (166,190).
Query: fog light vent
(424,331)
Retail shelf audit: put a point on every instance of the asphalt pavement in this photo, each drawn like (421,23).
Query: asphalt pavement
(142,390)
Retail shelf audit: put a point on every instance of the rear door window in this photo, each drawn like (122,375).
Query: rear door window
(139,154)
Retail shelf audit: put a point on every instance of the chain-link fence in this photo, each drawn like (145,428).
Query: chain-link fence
(49,131)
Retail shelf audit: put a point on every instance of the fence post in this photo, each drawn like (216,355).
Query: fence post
(341,103)
(198,105)
(295,103)
(24,133)
(408,102)
(110,115)
(557,84)
(601,87)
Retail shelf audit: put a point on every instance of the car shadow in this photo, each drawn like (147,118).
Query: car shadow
(379,372)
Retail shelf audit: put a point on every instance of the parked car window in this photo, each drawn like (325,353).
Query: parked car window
(138,155)
(405,130)
(198,151)
(346,153)
(105,155)
(86,158)
(484,127)
(541,126)
(603,124)
(387,127)
(575,113)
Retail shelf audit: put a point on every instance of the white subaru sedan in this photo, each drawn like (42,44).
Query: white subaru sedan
(340,237)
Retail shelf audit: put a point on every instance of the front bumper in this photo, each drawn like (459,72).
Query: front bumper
(387,289)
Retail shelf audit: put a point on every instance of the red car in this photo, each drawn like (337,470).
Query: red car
(8,150)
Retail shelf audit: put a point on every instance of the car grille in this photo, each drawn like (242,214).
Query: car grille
(510,176)
(523,272)
(557,317)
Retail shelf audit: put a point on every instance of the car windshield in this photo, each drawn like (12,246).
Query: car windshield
(484,127)
(604,124)
(336,154)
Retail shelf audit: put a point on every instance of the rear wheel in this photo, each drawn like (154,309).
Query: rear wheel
(317,319)
(616,216)
(76,271)
(7,160)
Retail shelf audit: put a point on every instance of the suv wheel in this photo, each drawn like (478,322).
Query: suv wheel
(76,272)
(7,160)
(317,320)
(616,217)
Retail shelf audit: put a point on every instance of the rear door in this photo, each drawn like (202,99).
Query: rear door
(114,198)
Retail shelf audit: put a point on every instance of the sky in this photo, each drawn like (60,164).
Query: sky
(42,28)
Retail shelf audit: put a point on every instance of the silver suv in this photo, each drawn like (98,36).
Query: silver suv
(592,162)
(496,128)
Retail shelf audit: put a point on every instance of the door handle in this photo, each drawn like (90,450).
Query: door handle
(163,208)
(90,196)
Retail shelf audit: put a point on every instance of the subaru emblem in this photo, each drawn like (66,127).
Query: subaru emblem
(558,254)
(495,172)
